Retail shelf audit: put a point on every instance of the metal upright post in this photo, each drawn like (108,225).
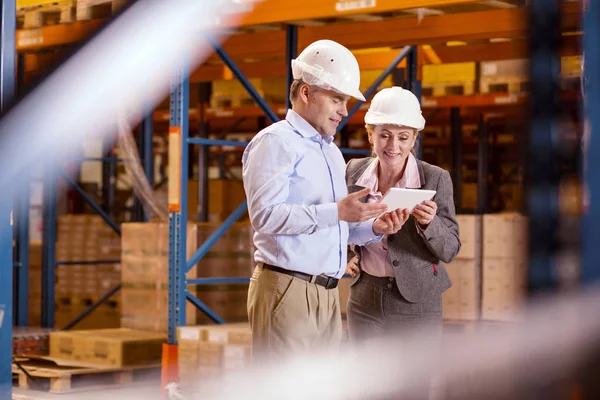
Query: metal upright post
(590,269)
(482,167)
(147,160)
(457,155)
(48,247)
(21,213)
(415,87)
(109,178)
(21,206)
(203,154)
(183,213)
(291,51)
(7,93)
(542,171)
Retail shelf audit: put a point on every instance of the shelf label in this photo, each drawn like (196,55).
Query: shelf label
(510,99)
(29,37)
(351,5)
(429,103)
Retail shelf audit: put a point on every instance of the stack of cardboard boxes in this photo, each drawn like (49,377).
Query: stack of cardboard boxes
(211,351)
(462,300)
(489,274)
(87,238)
(145,275)
(505,265)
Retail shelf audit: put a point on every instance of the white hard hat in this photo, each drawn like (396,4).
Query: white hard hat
(395,106)
(329,65)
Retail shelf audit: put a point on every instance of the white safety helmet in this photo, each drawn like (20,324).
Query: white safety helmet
(395,106)
(331,66)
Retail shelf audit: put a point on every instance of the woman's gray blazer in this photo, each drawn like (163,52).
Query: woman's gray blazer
(417,255)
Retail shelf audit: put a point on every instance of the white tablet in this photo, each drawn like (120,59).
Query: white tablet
(406,198)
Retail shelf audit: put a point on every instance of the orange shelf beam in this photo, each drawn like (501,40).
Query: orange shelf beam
(508,23)
(277,11)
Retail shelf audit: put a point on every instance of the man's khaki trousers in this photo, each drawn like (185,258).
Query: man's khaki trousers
(290,316)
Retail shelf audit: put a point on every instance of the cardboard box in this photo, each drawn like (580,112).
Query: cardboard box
(212,350)
(470,236)
(109,347)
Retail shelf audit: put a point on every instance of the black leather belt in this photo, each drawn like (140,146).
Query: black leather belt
(325,281)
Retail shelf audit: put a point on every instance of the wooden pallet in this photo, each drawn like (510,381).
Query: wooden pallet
(57,376)
(91,9)
(59,12)
(503,85)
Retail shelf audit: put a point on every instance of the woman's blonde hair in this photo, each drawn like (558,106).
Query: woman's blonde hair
(371,128)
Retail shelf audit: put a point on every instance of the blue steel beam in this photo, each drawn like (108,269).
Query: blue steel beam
(542,169)
(590,268)
(291,50)
(415,87)
(92,204)
(373,88)
(147,148)
(21,210)
(48,247)
(210,313)
(8,18)
(243,80)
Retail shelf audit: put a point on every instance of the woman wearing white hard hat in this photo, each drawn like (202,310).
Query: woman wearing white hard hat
(398,282)
(300,209)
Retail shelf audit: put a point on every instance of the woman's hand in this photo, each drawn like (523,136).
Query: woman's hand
(390,222)
(425,212)
(352,267)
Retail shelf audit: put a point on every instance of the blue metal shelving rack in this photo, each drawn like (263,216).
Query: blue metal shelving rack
(8,19)
(178,263)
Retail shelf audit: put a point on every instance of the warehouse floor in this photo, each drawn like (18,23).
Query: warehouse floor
(132,393)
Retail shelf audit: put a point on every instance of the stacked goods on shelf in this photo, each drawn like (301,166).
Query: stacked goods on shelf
(145,275)
(230,257)
(455,79)
(505,264)
(570,199)
(108,347)
(30,341)
(231,93)
(86,238)
(506,76)
(570,72)
(462,300)
(211,351)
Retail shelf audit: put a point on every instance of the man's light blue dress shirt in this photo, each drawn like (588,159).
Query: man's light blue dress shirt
(293,178)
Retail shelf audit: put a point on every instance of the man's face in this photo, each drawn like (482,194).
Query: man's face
(324,109)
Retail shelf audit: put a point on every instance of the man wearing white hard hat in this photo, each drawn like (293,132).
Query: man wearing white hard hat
(398,282)
(299,207)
